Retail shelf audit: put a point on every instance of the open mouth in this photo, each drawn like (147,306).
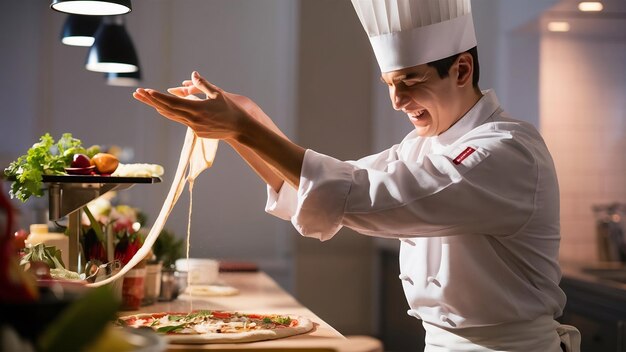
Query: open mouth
(416,114)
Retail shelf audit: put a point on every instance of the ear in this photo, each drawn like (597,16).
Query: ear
(465,69)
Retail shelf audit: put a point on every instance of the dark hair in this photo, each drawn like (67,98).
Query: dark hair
(443,65)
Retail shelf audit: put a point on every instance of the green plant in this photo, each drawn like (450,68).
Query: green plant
(167,248)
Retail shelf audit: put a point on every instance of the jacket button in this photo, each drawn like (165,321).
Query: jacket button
(445,319)
(407,241)
(413,313)
(406,278)
(432,280)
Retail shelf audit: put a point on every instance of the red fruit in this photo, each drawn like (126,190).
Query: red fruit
(81,161)
(20,237)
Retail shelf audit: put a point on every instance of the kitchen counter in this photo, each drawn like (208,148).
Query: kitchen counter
(258,293)
(596,304)
(607,278)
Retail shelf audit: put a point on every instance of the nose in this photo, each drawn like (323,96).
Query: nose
(398,100)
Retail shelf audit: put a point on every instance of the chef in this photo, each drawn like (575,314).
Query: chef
(470,192)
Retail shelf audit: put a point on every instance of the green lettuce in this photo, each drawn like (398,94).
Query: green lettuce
(44,158)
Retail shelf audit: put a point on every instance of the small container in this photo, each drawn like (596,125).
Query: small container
(169,286)
(181,280)
(133,288)
(152,286)
(199,271)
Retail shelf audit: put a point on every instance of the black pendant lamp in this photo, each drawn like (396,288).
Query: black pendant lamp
(92,7)
(129,79)
(113,50)
(79,30)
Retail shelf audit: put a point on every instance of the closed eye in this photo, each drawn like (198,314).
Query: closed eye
(407,80)
(411,81)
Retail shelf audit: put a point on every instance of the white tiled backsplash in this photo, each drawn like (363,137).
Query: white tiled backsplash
(583,120)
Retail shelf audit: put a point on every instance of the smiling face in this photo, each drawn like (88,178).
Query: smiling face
(433,104)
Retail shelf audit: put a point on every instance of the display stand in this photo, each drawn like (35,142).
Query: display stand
(67,194)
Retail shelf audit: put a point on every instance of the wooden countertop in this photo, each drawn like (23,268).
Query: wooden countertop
(258,293)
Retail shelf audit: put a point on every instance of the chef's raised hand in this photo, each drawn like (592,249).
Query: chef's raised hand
(235,118)
(217,116)
(189,89)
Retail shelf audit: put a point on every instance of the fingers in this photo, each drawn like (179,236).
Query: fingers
(202,84)
(162,102)
(181,92)
(178,91)
(184,91)
(142,98)
(165,101)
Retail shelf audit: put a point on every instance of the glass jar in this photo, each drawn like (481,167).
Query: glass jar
(133,288)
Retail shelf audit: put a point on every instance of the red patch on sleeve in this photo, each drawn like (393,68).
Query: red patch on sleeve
(464,154)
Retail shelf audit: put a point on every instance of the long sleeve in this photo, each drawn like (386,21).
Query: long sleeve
(391,195)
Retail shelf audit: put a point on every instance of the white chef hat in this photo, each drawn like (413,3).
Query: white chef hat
(406,33)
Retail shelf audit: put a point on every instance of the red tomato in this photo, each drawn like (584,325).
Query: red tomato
(20,237)
(221,315)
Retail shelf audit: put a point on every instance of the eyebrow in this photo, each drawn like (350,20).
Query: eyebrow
(404,77)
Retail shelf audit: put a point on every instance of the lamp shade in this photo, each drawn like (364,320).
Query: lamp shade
(79,30)
(128,79)
(92,7)
(112,50)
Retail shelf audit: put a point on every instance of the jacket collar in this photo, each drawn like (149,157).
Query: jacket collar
(476,116)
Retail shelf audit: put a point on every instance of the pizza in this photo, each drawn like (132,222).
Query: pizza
(206,326)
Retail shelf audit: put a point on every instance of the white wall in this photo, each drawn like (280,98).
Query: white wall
(334,278)
(583,119)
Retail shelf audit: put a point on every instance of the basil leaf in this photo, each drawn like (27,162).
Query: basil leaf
(282,320)
(171,328)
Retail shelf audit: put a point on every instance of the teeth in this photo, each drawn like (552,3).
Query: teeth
(417,114)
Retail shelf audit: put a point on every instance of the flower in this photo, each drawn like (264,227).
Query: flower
(119,224)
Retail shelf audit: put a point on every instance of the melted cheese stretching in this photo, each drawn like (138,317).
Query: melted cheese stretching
(196,156)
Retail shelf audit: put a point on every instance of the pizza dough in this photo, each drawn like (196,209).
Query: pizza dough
(219,327)
(196,156)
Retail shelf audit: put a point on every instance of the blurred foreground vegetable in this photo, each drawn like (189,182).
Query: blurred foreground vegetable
(81,323)
(17,285)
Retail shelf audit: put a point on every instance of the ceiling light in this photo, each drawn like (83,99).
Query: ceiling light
(590,6)
(92,7)
(112,50)
(558,26)
(128,79)
(79,30)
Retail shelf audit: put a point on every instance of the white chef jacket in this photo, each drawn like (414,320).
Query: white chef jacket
(476,209)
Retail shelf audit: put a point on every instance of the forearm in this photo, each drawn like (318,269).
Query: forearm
(283,157)
(265,171)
